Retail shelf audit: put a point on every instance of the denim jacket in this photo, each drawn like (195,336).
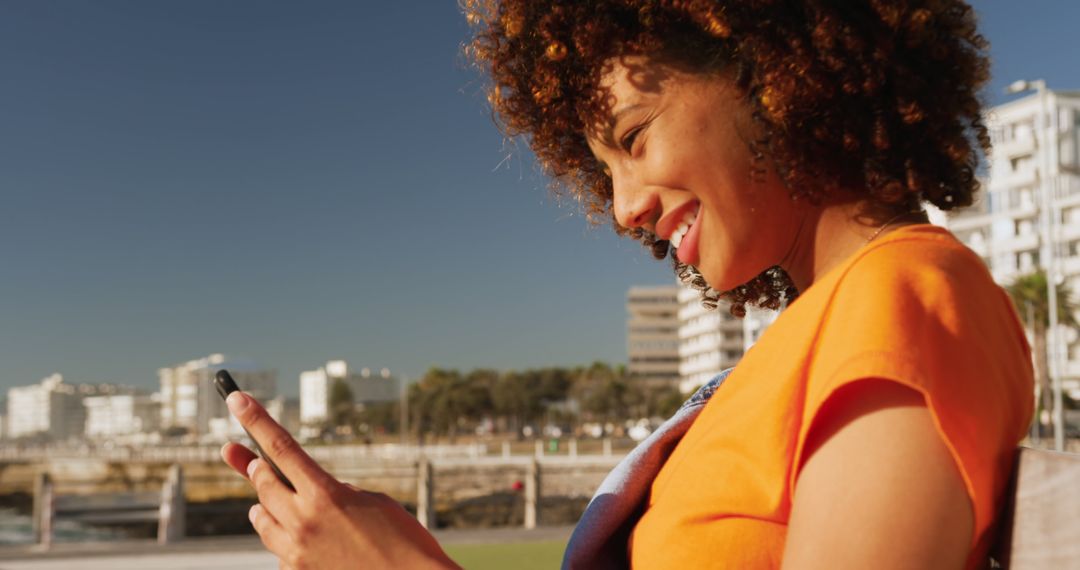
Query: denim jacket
(599,540)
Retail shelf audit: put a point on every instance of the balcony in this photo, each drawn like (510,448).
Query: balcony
(1072,369)
(1023,177)
(1070,265)
(1069,231)
(1015,147)
(1019,243)
(979,247)
(969,220)
(1022,209)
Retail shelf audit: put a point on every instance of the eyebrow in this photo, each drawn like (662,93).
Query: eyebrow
(609,130)
(608,136)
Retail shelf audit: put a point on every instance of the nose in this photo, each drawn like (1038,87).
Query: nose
(635,205)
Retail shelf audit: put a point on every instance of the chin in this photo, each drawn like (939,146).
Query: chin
(729,278)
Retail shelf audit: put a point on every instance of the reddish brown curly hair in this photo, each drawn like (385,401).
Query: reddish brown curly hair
(877,95)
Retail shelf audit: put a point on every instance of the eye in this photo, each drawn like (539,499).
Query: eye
(627,142)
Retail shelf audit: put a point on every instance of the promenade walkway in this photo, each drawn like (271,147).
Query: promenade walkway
(232,553)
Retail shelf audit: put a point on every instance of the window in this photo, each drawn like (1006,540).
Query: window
(997,135)
(1027,261)
(1021,163)
(1026,227)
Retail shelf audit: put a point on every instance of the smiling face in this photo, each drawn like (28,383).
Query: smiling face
(675,149)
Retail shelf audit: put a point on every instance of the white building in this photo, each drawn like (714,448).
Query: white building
(117,415)
(50,409)
(1005,225)
(366,388)
(315,391)
(190,401)
(672,338)
(710,340)
(652,334)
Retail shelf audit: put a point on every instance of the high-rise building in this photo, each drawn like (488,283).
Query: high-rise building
(189,400)
(710,340)
(286,411)
(1034,168)
(50,410)
(652,334)
(114,415)
(316,386)
(673,339)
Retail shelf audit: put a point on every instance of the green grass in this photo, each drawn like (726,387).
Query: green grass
(518,556)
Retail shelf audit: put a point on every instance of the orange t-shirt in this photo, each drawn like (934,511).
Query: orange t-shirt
(916,307)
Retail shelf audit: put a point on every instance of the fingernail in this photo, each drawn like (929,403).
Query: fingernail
(251,468)
(222,452)
(237,402)
(253,513)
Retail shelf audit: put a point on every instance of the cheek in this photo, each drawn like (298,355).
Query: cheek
(730,249)
(743,233)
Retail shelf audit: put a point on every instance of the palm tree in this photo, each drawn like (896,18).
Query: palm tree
(1029,294)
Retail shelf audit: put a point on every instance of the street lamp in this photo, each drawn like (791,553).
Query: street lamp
(1048,257)
(403,408)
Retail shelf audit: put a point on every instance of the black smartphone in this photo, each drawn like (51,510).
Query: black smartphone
(225,385)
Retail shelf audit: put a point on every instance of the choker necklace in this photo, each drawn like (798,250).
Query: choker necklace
(889,223)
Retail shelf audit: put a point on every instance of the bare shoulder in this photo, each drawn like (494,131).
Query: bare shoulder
(878,487)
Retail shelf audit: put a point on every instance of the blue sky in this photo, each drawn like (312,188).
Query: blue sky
(298,182)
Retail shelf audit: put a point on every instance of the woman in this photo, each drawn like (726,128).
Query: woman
(779,152)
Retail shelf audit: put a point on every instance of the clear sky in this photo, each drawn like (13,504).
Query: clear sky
(294,182)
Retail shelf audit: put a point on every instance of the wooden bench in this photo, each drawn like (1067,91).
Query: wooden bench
(1041,524)
(166,507)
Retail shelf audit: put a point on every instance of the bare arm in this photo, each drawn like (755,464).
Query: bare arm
(878,487)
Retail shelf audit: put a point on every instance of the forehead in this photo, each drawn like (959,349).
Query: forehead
(632,74)
(625,82)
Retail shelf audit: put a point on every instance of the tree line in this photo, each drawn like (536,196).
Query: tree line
(452,403)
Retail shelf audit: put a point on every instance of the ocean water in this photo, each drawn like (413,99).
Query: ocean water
(17,528)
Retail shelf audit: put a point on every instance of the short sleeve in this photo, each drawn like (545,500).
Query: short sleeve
(932,319)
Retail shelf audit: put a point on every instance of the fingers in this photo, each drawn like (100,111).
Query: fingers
(237,456)
(273,494)
(277,443)
(273,535)
(275,497)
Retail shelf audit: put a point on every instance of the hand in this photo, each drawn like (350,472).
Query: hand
(325,523)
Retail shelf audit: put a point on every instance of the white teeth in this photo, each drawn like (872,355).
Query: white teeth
(680,232)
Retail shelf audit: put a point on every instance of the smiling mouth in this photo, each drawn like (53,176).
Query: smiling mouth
(684,226)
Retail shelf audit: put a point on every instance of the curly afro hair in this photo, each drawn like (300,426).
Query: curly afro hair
(875,95)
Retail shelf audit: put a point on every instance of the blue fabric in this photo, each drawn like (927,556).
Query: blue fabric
(599,540)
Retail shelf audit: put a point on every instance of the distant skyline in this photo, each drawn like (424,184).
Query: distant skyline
(296,183)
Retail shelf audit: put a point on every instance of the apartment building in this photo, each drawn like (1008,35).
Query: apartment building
(49,410)
(119,415)
(366,387)
(652,334)
(710,340)
(672,339)
(190,402)
(1034,177)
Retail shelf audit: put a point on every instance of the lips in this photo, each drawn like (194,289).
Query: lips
(687,250)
